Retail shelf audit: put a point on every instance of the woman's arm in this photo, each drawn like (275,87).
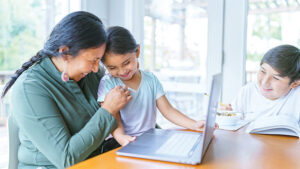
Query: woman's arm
(175,116)
(39,117)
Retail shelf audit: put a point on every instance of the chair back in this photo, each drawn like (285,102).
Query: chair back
(14,142)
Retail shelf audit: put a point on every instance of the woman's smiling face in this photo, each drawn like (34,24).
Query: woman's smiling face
(85,62)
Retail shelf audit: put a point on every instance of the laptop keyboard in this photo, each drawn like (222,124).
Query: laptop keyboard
(179,144)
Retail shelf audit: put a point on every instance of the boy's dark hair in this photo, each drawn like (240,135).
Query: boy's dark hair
(77,31)
(285,59)
(119,41)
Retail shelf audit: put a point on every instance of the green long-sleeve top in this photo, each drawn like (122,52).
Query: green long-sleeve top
(60,123)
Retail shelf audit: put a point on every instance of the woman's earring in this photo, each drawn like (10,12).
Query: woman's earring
(64,74)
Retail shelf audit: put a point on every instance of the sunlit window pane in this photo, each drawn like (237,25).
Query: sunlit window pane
(270,23)
(175,49)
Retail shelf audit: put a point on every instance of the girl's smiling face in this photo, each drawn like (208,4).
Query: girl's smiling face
(123,66)
(271,84)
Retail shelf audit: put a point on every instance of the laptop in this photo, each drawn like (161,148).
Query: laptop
(178,146)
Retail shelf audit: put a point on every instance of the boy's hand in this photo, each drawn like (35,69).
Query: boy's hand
(225,107)
(123,139)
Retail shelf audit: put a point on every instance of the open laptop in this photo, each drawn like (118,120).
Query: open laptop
(178,146)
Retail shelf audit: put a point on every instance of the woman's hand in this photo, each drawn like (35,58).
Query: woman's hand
(116,99)
(124,139)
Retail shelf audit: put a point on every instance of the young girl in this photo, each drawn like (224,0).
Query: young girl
(277,90)
(139,115)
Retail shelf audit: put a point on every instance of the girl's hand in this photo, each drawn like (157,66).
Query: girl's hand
(116,99)
(123,139)
(199,125)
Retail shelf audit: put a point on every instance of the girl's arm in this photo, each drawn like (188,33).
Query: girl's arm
(119,133)
(176,117)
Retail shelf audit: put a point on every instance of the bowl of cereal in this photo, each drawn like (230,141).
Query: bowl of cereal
(228,117)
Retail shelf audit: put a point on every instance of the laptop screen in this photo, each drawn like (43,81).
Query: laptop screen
(215,92)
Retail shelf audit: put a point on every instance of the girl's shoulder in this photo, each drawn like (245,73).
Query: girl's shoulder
(148,75)
(108,77)
(109,81)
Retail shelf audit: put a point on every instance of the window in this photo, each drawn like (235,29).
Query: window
(23,30)
(270,23)
(25,26)
(175,49)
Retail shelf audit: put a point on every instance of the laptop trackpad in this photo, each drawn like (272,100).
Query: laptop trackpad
(150,140)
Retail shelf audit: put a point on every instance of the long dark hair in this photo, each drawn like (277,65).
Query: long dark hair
(285,59)
(119,41)
(78,30)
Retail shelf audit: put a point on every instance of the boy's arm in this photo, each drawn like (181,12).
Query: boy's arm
(175,116)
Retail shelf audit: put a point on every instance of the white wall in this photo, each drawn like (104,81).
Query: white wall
(235,38)
(215,37)
(97,7)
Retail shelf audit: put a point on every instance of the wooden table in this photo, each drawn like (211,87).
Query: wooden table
(228,149)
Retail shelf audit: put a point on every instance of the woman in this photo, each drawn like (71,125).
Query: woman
(54,96)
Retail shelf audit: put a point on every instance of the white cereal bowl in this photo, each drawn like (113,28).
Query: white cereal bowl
(228,118)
